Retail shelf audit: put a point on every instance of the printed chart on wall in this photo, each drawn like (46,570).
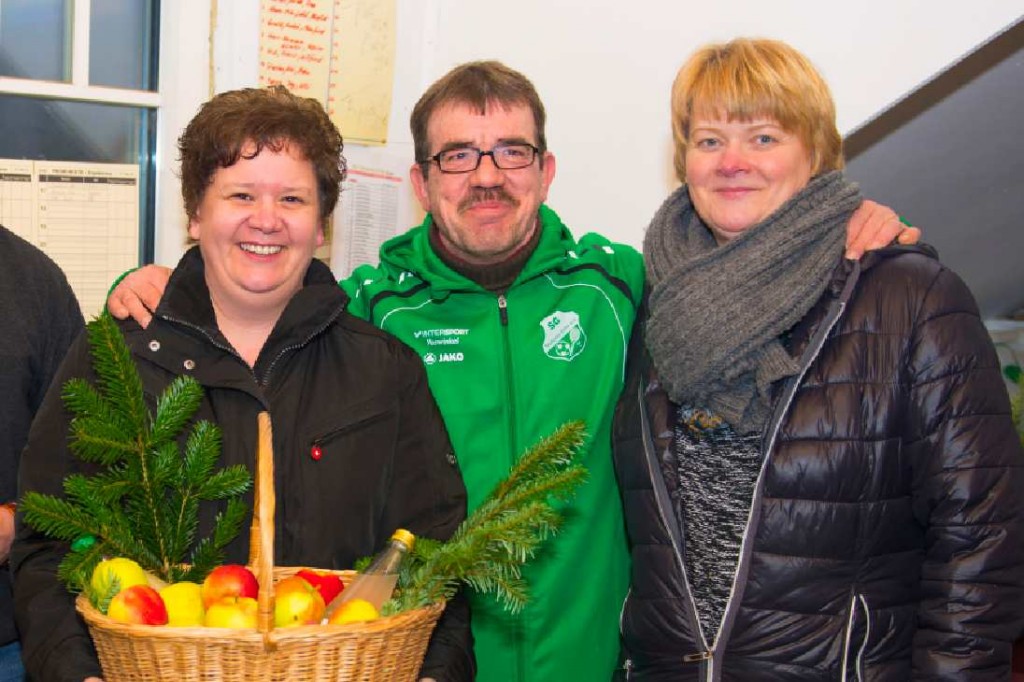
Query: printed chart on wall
(374,205)
(85,216)
(340,52)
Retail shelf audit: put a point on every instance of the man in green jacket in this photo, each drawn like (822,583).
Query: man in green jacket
(521,329)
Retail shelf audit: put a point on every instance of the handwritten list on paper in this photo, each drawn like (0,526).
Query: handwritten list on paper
(295,45)
(340,52)
(85,216)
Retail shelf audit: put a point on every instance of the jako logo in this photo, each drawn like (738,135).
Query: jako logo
(434,358)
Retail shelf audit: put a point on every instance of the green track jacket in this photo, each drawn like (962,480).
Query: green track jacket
(506,371)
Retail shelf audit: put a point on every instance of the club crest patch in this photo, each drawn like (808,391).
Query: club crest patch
(564,337)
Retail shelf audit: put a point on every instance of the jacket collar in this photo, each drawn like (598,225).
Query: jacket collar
(872,258)
(410,254)
(186,301)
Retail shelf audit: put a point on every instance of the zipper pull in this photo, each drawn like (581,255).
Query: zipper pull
(697,657)
(503,309)
(316,452)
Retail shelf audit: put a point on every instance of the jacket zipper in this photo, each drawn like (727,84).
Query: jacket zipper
(213,341)
(856,600)
(867,636)
(510,401)
(299,344)
(650,459)
(228,349)
(771,434)
(334,433)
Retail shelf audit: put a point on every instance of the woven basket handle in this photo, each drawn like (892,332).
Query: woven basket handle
(261,534)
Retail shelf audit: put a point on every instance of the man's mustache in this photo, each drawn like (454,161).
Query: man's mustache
(489,194)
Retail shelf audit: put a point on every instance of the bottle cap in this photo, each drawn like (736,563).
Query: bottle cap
(404,536)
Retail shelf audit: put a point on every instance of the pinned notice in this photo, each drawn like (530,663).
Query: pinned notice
(340,52)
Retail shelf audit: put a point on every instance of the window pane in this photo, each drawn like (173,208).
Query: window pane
(32,128)
(35,39)
(124,43)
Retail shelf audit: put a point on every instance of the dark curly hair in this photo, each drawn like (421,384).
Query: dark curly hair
(268,117)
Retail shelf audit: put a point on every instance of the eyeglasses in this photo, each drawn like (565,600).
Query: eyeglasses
(466,159)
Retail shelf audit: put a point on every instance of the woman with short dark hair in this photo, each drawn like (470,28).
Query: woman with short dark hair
(359,445)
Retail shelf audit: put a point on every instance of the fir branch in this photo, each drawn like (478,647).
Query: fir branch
(144,503)
(227,482)
(197,466)
(104,489)
(98,439)
(118,377)
(489,548)
(175,408)
(56,517)
(76,572)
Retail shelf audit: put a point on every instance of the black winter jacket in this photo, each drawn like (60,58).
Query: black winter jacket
(328,380)
(886,535)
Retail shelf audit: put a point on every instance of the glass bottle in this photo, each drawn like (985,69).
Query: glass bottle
(377,582)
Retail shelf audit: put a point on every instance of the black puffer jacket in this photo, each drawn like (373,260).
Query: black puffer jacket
(886,536)
(328,380)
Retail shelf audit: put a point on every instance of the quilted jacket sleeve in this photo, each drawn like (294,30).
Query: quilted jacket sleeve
(968,490)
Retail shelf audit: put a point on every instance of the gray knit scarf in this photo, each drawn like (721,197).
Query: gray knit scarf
(717,312)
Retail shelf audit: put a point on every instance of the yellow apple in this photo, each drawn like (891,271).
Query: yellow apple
(354,611)
(231,612)
(296,602)
(127,572)
(184,603)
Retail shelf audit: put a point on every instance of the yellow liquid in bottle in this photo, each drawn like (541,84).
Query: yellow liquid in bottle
(375,589)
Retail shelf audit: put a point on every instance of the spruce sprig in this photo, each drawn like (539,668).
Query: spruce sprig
(143,503)
(489,548)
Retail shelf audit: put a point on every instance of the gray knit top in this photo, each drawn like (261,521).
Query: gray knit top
(717,470)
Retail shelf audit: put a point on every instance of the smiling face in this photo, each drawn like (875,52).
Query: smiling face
(257,226)
(485,215)
(739,172)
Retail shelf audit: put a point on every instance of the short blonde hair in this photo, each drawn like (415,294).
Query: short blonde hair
(747,78)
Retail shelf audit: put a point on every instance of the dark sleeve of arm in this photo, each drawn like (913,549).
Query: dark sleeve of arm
(968,477)
(55,641)
(64,324)
(429,498)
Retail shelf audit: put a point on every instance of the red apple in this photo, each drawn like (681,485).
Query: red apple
(329,585)
(296,602)
(231,612)
(138,604)
(230,580)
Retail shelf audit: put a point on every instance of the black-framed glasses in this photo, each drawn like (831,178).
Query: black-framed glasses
(466,159)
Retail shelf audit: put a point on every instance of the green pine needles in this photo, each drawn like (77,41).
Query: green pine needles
(144,502)
(489,548)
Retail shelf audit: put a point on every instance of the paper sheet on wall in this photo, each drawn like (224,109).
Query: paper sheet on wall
(376,204)
(85,216)
(367,217)
(340,52)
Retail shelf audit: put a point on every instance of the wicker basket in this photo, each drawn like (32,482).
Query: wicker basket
(390,648)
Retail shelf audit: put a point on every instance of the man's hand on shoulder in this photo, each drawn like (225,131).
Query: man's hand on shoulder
(139,293)
(873,226)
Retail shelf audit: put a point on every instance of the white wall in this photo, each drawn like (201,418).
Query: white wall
(604,69)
